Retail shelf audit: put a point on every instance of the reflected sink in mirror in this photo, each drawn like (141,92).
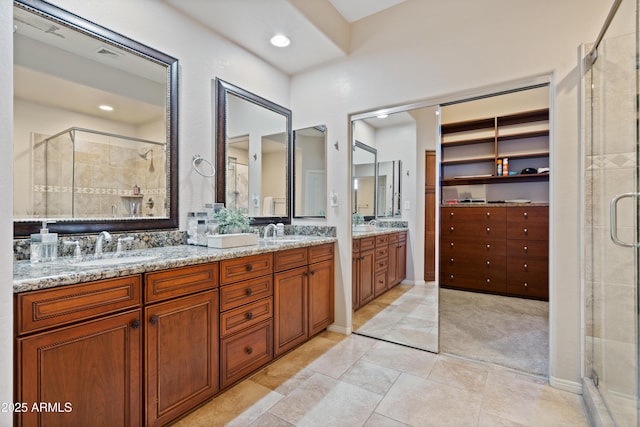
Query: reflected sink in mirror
(106,262)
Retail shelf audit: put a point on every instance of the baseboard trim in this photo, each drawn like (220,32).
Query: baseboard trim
(570,386)
(340,329)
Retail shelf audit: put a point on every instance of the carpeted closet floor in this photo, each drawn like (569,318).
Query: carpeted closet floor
(511,332)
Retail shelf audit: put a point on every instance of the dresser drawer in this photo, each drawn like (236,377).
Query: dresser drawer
(243,317)
(382,252)
(240,293)
(367,243)
(528,248)
(162,285)
(290,258)
(470,248)
(457,278)
(382,264)
(519,269)
(480,264)
(532,288)
(528,231)
(321,253)
(473,229)
(382,240)
(482,215)
(528,214)
(47,308)
(234,270)
(242,353)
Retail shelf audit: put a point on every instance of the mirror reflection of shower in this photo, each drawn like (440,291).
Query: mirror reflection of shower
(148,155)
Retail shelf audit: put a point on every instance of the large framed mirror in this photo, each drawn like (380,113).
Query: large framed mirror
(95,126)
(389,188)
(310,172)
(253,154)
(364,180)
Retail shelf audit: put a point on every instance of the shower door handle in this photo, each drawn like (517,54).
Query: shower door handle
(613,220)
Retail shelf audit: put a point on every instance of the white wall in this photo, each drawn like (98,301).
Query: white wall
(6,208)
(427,50)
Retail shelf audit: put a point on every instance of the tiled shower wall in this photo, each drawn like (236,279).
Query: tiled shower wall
(98,179)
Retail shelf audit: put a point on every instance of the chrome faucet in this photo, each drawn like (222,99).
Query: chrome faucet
(104,235)
(270,227)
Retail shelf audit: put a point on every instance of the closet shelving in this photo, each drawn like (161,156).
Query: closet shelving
(470,149)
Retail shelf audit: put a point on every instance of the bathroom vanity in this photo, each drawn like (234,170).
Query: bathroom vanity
(144,342)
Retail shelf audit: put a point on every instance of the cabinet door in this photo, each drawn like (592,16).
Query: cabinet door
(92,370)
(367,284)
(402,260)
(182,355)
(320,296)
(392,273)
(355,280)
(290,309)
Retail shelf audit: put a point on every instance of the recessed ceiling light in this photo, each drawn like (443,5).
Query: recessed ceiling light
(280,40)
(106,108)
(382,116)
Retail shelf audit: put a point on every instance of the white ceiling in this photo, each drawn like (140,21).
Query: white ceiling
(319,30)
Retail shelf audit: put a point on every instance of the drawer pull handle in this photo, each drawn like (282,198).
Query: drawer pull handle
(488,229)
(153,320)
(381,282)
(381,264)
(488,262)
(249,350)
(488,281)
(451,244)
(525,214)
(451,261)
(135,324)
(249,267)
(526,284)
(488,246)
(249,315)
(526,231)
(488,214)
(450,214)
(451,228)
(526,248)
(249,292)
(526,267)
(451,276)
(312,272)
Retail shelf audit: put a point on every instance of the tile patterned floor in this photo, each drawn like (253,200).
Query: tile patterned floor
(337,380)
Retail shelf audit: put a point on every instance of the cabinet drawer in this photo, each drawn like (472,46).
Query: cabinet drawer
(237,294)
(402,236)
(46,308)
(382,264)
(355,245)
(162,285)
(382,252)
(522,268)
(474,230)
(234,270)
(494,282)
(381,282)
(529,288)
(472,248)
(393,238)
(321,253)
(528,248)
(242,353)
(477,265)
(482,215)
(382,240)
(526,230)
(529,214)
(290,258)
(367,243)
(243,317)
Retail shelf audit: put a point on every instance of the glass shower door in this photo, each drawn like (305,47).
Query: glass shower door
(612,216)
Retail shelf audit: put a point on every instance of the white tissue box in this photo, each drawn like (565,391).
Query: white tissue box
(223,241)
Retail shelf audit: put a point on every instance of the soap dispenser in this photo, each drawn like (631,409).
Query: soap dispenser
(44,245)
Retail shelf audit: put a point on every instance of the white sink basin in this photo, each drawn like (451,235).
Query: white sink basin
(106,262)
(364,227)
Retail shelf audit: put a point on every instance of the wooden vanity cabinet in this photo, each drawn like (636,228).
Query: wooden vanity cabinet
(84,357)
(381,265)
(364,264)
(246,316)
(303,294)
(181,340)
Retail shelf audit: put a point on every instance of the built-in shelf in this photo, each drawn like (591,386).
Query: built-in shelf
(495,179)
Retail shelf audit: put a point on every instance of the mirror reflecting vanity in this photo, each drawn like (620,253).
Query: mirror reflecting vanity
(95,126)
(310,176)
(364,179)
(253,154)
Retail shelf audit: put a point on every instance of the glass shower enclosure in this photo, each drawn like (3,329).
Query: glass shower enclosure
(611,214)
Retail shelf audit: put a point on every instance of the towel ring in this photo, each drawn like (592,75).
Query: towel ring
(197,159)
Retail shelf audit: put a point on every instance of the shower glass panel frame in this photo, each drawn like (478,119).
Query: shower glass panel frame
(611,215)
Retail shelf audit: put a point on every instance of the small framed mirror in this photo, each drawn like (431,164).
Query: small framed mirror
(253,154)
(310,172)
(95,126)
(364,180)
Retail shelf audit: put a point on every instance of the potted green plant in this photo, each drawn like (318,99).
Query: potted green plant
(232,221)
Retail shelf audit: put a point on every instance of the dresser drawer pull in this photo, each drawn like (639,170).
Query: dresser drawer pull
(488,214)
(381,264)
(249,350)
(451,261)
(488,246)
(381,282)
(153,320)
(450,214)
(451,244)
(451,276)
(526,267)
(525,214)
(526,248)
(312,272)
(488,281)
(249,292)
(451,229)
(249,267)
(488,262)
(249,315)
(135,324)
(526,231)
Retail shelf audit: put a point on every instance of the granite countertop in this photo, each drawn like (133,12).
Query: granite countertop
(66,271)
(378,231)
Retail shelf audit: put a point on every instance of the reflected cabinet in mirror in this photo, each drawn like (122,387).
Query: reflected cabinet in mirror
(95,126)
(310,172)
(253,155)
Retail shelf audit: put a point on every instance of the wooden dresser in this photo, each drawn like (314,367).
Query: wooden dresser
(502,250)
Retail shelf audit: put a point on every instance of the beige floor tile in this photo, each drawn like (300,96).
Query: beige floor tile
(324,401)
(377,420)
(370,376)
(270,420)
(420,402)
(401,358)
(337,360)
(461,374)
